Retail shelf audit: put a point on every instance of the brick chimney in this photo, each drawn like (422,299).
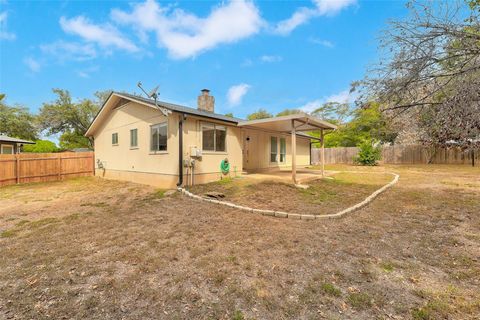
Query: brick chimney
(205,101)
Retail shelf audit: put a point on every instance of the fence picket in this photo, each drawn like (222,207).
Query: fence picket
(399,154)
(39,167)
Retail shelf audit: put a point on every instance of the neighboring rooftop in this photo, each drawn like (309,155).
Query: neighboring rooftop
(15,140)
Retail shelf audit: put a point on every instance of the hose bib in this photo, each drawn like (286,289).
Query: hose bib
(225,166)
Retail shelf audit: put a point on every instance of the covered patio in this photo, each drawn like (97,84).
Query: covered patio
(295,124)
(303,175)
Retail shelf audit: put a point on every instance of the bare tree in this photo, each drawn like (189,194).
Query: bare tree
(433,67)
(456,121)
(426,54)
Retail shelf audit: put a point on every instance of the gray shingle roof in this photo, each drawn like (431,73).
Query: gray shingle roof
(10,139)
(189,110)
(182,109)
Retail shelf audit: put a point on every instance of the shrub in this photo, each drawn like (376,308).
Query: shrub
(41,146)
(368,154)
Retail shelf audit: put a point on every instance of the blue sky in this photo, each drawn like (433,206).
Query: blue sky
(260,54)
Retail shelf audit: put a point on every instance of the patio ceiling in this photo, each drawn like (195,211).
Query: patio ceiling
(301,121)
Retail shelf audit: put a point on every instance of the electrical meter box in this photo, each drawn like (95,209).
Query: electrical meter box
(195,152)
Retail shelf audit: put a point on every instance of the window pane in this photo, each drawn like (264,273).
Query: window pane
(162,137)
(283,149)
(273,149)
(220,136)
(158,137)
(7,149)
(273,157)
(273,144)
(208,138)
(133,138)
(114,138)
(154,139)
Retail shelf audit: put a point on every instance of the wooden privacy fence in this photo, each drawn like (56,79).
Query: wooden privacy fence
(39,167)
(400,154)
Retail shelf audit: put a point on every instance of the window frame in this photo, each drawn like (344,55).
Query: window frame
(276,149)
(156,126)
(132,146)
(7,145)
(215,126)
(115,134)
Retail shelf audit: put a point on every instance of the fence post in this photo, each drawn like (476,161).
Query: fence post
(17,167)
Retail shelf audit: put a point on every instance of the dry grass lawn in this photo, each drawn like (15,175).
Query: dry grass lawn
(322,197)
(97,249)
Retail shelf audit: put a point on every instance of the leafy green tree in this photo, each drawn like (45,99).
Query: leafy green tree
(65,116)
(41,146)
(260,114)
(230,114)
(368,123)
(17,121)
(71,140)
(287,112)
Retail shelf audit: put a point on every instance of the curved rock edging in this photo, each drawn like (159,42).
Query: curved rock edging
(281,214)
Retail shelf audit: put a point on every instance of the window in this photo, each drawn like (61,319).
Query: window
(158,137)
(283,150)
(214,137)
(114,139)
(133,138)
(6,149)
(273,149)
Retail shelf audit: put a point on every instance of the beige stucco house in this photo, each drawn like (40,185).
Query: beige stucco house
(135,141)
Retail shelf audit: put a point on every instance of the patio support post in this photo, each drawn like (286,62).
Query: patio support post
(323,152)
(294,153)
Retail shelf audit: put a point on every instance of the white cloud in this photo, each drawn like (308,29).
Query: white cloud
(186,35)
(63,51)
(266,58)
(105,36)
(332,7)
(32,64)
(236,93)
(302,15)
(299,17)
(344,96)
(322,42)
(4,34)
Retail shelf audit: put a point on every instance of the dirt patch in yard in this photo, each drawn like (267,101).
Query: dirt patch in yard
(34,201)
(323,196)
(413,253)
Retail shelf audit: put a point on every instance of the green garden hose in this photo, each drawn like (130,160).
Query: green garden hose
(225,166)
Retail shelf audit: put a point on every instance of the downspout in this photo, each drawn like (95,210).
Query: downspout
(180,151)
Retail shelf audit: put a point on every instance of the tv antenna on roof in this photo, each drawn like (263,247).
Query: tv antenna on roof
(154,95)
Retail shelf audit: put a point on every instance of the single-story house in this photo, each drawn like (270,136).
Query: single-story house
(9,145)
(135,141)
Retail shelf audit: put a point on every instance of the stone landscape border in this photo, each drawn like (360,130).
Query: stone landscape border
(281,214)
